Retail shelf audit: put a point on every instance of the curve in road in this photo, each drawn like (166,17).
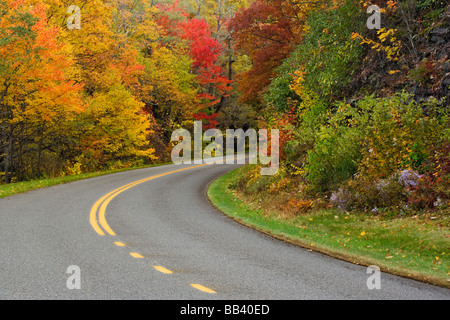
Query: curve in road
(164,240)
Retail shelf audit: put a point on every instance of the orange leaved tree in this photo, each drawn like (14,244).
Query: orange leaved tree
(37,98)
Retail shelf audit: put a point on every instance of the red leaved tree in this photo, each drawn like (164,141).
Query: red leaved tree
(267,31)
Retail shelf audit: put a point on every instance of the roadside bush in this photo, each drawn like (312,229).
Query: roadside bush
(401,136)
(337,151)
(311,115)
(404,156)
(366,194)
(433,189)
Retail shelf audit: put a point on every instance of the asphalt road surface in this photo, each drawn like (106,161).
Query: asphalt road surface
(160,238)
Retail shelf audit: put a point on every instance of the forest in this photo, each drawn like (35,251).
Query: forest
(108,93)
(363,112)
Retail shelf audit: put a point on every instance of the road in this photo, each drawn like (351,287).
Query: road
(162,239)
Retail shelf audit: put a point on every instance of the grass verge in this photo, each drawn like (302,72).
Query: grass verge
(7,190)
(414,246)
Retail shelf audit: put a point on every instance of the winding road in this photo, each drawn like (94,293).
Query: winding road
(152,234)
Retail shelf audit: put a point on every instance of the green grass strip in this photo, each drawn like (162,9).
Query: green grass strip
(415,247)
(7,190)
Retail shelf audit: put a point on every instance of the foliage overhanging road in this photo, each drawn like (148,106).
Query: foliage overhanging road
(182,247)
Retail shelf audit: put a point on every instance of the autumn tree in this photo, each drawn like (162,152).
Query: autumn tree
(93,46)
(196,40)
(37,98)
(218,13)
(267,31)
(205,52)
(115,130)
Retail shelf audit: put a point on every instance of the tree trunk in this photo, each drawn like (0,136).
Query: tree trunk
(8,158)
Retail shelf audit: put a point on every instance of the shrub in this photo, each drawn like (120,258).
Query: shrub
(337,148)
(400,135)
(405,159)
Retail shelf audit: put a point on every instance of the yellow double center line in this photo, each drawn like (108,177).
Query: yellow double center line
(103,202)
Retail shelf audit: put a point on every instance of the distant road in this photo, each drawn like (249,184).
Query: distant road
(152,234)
